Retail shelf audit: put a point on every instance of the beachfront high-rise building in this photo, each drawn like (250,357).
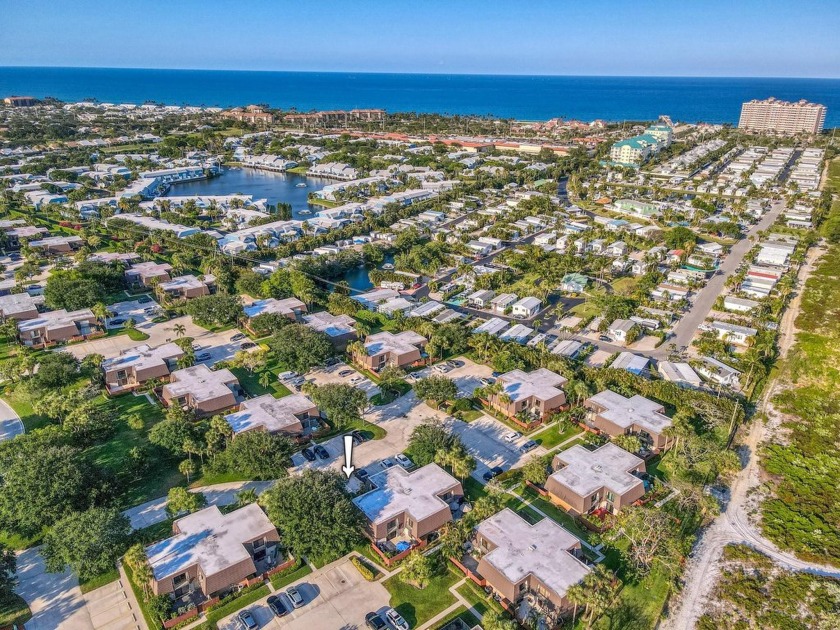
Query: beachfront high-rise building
(777,116)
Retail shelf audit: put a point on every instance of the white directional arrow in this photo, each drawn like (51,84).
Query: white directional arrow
(348,467)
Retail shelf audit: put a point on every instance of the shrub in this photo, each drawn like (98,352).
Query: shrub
(363,568)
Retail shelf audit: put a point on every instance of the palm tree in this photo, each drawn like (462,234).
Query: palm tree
(138,562)
(180,330)
(100,311)
(265,379)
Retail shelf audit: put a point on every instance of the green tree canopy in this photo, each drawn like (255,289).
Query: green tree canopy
(88,542)
(342,404)
(299,348)
(313,514)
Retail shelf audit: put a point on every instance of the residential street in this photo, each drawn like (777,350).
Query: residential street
(735,524)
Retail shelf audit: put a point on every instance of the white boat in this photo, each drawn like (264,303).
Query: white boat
(305,212)
(300,185)
(387,266)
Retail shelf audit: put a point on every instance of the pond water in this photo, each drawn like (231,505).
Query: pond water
(359,278)
(276,187)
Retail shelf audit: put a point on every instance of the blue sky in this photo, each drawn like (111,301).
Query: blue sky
(579,37)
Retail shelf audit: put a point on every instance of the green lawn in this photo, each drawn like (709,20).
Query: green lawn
(282,580)
(251,382)
(418,606)
(100,580)
(23,407)
(477,598)
(459,613)
(13,610)
(112,454)
(555,513)
(552,436)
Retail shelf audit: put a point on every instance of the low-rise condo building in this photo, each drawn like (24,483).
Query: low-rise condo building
(136,366)
(530,396)
(201,389)
(289,415)
(614,414)
(607,478)
(387,349)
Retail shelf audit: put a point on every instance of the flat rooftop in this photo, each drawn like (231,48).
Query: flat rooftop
(16,303)
(281,307)
(541,550)
(587,471)
(626,412)
(56,319)
(186,282)
(272,414)
(331,325)
(210,539)
(399,491)
(142,357)
(541,384)
(402,343)
(200,382)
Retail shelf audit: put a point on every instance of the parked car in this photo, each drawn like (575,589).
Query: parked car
(117,322)
(285,376)
(357,380)
(238,337)
(487,381)
(529,446)
(321,452)
(203,356)
(276,605)
(144,299)
(512,436)
(492,473)
(344,373)
(403,461)
(358,435)
(362,475)
(247,621)
(396,620)
(248,344)
(604,338)
(386,463)
(374,621)
(294,596)
(308,455)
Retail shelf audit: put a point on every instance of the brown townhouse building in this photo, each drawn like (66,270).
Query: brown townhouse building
(409,505)
(536,393)
(586,480)
(614,414)
(518,558)
(341,329)
(288,415)
(56,327)
(188,287)
(18,306)
(140,364)
(146,273)
(201,389)
(211,552)
(387,349)
(58,244)
(292,308)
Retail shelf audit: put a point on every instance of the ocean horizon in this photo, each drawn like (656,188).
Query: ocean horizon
(523,97)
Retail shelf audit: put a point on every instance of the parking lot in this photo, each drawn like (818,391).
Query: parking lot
(484,440)
(346,375)
(141,312)
(467,377)
(334,597)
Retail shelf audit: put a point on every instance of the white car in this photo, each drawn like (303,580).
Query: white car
(511,437)
(403,461)
(396,620)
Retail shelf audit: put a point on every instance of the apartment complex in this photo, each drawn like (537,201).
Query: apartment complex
(536,393)
(56,326)
(201,389)
(385,348)
(147,273)
(409,505)
(253,114)
(518,558)
(136,366)
(188,287)
(288,415)
(18,306)
(637,150)
(606,478)
(775,116)
(211,552)
(292,308)
(614,414)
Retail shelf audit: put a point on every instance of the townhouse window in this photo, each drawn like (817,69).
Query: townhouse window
(179,580)
(259,544)
(523,587)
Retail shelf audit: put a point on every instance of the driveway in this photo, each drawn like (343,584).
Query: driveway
(352,377)
(467,377)
(54,598)
(335,596)
(10,423)
(111,608)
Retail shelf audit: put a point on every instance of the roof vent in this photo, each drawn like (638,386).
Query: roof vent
(532,547)
(597,468)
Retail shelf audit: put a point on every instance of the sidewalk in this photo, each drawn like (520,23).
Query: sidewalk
(10,423)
